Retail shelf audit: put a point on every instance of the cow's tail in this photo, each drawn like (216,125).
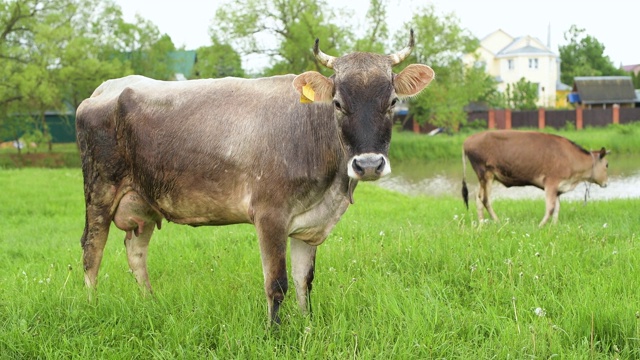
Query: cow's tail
(465,191)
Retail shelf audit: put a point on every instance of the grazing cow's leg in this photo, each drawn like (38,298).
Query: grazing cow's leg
(480,196)
(551,201)
(483,199)
(303,257)
(487,195)
(273,250)
(557,211)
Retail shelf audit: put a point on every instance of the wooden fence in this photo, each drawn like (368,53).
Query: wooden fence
(541,118)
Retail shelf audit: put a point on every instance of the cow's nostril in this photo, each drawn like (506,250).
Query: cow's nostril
(380,167)
(357,168)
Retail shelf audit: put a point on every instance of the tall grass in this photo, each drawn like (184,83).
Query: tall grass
(399,278)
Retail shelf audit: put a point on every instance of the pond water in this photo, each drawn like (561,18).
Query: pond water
(445,179)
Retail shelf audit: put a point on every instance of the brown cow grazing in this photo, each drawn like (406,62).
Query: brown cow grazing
(520,158)
(282,153)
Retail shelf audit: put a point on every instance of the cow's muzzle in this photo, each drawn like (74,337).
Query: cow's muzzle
(368,167)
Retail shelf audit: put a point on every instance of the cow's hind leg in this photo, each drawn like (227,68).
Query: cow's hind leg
(487,200)
(273,249)
(94,239)
(303,257)
(137,247)
(96,230)
(480,200)
(552,203)
(138,220)
(557,210)
(483,199)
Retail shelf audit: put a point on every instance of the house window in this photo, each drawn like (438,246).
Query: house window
(511,64)
(533,63)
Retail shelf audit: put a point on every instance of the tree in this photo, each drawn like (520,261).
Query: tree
(377,31)
(440,42)
(54,53)
(636,80)
(218,60)
(522,95)
(584,56)
(31,35)
(282,30)
(145,49)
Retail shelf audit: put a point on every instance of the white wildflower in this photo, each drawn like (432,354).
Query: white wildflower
(540,312)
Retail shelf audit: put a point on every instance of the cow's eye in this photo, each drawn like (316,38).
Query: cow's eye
(337,105)
(394,102)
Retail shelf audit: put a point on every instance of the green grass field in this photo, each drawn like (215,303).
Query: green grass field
(399,278)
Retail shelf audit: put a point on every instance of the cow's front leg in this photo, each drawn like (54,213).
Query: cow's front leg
(273,249)
(303,258)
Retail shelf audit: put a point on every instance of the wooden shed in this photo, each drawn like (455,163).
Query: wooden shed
(602,92)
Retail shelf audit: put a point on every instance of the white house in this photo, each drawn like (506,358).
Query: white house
(509,59)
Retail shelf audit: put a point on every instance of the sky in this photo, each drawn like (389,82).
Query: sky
(613,23)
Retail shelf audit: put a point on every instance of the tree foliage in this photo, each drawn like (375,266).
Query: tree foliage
(54,53)
(584,56)
(282,30)
(521,95)
(440,42)
(31,36)
(217,61)
(377,32)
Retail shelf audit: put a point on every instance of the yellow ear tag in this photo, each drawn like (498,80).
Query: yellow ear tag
(308,95)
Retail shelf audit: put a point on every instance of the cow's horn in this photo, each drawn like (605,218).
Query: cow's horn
(398,57)
(323,58)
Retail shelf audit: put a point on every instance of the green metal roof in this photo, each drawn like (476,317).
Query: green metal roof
(183,61)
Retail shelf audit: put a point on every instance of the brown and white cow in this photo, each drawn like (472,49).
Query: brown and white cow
(519,158)
(283,153)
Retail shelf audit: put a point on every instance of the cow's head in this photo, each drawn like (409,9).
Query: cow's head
(600,166)
(363,92)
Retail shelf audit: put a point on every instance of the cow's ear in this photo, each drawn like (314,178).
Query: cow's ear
(412,80)
(313,86)
(603,152)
